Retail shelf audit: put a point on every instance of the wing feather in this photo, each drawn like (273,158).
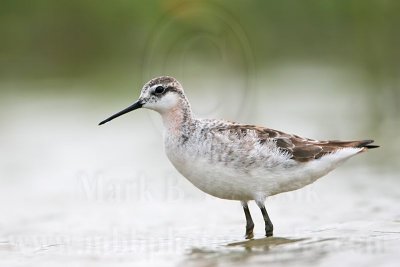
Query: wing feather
(298,148)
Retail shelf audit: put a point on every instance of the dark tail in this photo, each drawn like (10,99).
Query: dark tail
(366,144)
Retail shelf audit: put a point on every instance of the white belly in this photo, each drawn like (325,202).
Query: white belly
(248,173)
(227,182)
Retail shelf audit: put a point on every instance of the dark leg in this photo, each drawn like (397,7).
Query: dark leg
(269,228)
(249,221)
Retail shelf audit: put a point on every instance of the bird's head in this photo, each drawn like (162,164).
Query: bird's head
(161,94)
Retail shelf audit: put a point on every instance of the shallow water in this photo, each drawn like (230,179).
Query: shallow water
(79,195)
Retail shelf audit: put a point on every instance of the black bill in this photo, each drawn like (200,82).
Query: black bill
(134,106)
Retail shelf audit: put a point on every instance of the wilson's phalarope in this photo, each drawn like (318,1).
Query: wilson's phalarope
(235,161)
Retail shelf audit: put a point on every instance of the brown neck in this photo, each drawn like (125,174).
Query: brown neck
(178,118)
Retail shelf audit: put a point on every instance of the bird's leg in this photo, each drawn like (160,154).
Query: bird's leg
(269,228)
(249,221)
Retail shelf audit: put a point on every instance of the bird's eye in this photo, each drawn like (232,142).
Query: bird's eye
(159,90)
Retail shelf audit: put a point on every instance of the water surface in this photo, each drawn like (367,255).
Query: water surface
(73,193)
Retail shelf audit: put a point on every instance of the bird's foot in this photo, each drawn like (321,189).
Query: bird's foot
(249,235)
(249,230)
(269,230)
(269,234)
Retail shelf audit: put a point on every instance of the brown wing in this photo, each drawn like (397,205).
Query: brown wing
(299,148)
(305,149)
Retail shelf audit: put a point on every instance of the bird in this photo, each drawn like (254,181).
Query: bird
(234,161)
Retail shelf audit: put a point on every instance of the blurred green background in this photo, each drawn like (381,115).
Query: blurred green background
(45,39)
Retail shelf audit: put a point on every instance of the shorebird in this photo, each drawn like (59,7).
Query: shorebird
(236,161)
